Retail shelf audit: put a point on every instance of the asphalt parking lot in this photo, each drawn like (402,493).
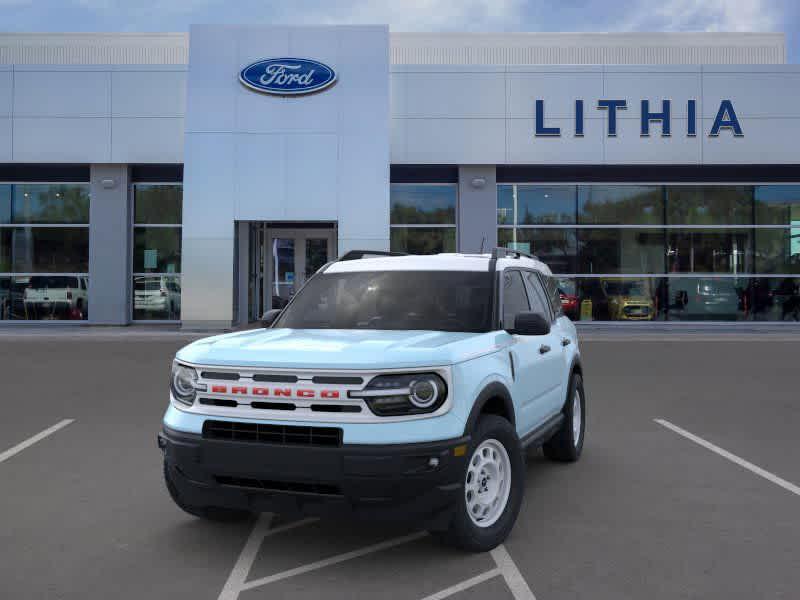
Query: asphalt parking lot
(702,503)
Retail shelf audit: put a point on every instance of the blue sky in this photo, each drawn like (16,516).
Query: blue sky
(414,15)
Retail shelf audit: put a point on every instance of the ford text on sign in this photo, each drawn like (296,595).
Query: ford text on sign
(287,76)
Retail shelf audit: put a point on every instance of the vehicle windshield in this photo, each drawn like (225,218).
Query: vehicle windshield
(625,288)
(147,285)
(54,281)
(425,300)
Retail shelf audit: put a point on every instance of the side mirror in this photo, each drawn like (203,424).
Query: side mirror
(530,323)
(268,318)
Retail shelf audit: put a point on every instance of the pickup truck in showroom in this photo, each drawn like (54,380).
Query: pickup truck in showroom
(390,387)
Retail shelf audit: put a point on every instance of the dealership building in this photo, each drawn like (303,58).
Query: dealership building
(200,178)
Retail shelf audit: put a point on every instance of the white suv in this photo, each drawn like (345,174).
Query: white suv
(399,387)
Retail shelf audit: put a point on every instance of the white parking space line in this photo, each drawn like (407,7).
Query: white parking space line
(4,456)
(244,563)
(237,580)
(464,585)
(514,579)
(731,457)
(333,560)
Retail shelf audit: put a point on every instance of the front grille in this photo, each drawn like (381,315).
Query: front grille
(275,378)
(273,405)
(297,487)
(336,408)
(218,402)
(290,435)
(224,376)
(322,379)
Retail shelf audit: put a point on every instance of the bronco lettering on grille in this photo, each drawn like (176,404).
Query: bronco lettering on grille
(275,392)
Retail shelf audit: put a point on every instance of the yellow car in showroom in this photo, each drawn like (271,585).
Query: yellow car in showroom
(628,299)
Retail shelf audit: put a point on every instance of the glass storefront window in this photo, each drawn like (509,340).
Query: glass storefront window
(778,250)
(157,250)
(776,299)
(44,251)
(709,205)
(708,299)
(157,213)
(535,204)
(5,203)
(158,204)
(44,204)
(703,252)
(616,299)
(557,247)
(681,298)
(35,250)
(778,205)
(620,204)
(433,205)
(156,297)
(621,251)
(420,204)
(423,240)
(710,251)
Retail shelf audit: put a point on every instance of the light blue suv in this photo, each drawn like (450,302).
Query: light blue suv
(398,387)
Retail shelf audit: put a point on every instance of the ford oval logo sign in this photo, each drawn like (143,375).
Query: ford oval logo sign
(287,76)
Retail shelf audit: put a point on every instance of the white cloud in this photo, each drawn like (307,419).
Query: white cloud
(705,15)
(417,15)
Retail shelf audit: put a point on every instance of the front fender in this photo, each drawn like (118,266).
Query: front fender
(493,390)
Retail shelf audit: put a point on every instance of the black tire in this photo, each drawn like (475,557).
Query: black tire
(462,532)
(562,446)
(210,513)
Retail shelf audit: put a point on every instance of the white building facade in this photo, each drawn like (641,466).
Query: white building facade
(142,178)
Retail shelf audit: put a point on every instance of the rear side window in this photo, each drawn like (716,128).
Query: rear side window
(515,300)
(553,293)
(539,302)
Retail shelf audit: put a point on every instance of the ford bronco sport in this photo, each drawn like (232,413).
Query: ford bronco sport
(401,387)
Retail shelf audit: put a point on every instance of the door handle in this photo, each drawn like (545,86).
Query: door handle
(566,342)
(544,349)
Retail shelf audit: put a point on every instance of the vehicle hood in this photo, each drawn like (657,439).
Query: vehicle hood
(339,348)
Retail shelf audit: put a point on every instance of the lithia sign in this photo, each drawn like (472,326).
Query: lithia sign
(726,119)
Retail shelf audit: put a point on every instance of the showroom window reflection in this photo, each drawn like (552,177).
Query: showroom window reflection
(423,217)
(677,252)
(44,251)
(156,285)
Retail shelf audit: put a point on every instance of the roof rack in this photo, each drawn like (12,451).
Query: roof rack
(511,253)
(358,254)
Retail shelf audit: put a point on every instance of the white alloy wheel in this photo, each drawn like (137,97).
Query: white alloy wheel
(488,483)
(577,418)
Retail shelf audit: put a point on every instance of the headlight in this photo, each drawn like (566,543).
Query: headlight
(404,394)
(183,383)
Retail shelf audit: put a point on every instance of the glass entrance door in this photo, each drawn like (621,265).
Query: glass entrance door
(291,256)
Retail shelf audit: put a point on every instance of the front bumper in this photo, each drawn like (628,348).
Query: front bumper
(418,481)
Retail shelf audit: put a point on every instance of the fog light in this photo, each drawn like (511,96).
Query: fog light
(433,462)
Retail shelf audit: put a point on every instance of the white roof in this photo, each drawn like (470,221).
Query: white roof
(434,262)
